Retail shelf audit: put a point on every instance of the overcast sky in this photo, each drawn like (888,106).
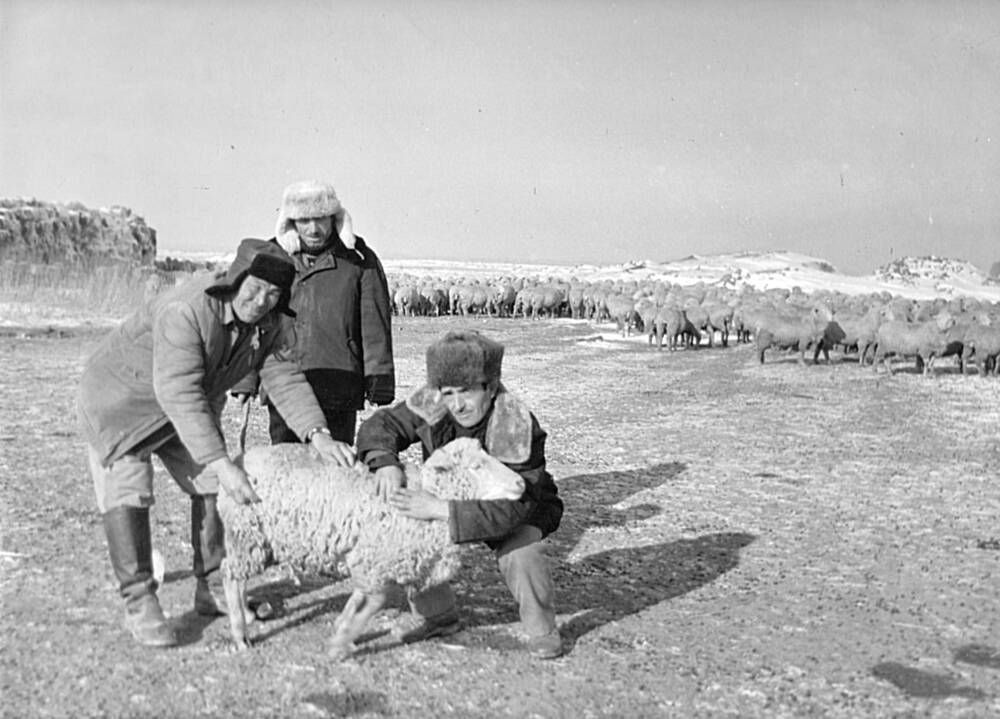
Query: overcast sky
(544,131)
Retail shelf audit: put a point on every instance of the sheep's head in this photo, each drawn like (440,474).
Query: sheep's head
(945,320)
(462,469)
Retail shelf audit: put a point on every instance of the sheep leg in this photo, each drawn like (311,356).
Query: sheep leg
(236,590)
(350,609)
(359,609)
(966,360)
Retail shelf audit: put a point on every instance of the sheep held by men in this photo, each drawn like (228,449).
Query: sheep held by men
(316,517)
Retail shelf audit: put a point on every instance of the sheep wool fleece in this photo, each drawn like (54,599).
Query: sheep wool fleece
(316,517)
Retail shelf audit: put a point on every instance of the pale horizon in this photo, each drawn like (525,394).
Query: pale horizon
(544,132)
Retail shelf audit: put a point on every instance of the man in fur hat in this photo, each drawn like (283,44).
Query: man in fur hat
(340,294)
(157,385)
(464,397)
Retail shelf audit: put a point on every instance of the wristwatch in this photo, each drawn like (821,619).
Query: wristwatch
(314,430)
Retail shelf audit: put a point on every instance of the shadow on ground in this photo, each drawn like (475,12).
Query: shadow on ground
(596,589)
(347,703)
(614,583)
(919,683)
(979,655)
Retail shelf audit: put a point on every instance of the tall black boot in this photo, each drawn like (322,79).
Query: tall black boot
(209,545)
(130,547)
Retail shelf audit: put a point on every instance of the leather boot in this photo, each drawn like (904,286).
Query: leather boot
(208,543)
(129,544)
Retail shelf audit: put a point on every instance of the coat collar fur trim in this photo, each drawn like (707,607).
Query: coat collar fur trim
(508,429)
(288,238)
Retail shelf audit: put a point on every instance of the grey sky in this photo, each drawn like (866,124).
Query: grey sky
(540,131)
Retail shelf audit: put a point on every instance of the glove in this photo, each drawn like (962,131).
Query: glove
(380,389)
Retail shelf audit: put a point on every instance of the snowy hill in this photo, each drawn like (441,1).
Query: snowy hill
(913,277)
(948,276)
(917,278)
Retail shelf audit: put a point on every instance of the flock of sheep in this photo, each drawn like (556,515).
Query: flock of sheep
(877,327)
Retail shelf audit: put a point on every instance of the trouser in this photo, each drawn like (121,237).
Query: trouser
(340,422)
(128,485)
(128,482)
(525,568)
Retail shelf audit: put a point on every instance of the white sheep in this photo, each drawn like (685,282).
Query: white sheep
(316,517)
(925,340)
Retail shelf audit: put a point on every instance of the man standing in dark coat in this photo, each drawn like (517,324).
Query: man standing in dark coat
(343,328)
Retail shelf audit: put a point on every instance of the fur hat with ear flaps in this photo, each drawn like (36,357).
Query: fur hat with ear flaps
(307,199)
(264,260)
(463,359)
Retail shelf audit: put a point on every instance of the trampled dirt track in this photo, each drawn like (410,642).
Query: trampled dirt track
(740,540)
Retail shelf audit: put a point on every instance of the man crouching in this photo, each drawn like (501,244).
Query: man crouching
(465,398)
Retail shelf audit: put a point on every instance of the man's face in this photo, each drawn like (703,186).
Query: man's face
(314,232)
(254,299)
(468,405)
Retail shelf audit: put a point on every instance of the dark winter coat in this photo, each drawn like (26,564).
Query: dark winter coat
(167,368)
(343,328)
(509,432)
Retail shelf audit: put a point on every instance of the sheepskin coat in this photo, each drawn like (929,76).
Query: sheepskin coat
(167,368)
(509,432)
(343,328)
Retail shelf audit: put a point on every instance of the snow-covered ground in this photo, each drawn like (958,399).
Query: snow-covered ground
(913,277)
(916,278)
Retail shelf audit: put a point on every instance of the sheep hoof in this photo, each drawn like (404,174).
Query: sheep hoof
(241,645)
(340,652)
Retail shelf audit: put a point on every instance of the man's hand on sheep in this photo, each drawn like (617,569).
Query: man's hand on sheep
(419,504)
(234,480)
(337,452)
(388,480)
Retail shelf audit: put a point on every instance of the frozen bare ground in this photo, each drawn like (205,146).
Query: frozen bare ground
(740,540)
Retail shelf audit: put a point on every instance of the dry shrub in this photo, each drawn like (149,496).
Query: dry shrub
(108,289)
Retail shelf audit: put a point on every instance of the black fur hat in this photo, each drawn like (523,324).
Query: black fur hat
(463,358)
(264,260)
